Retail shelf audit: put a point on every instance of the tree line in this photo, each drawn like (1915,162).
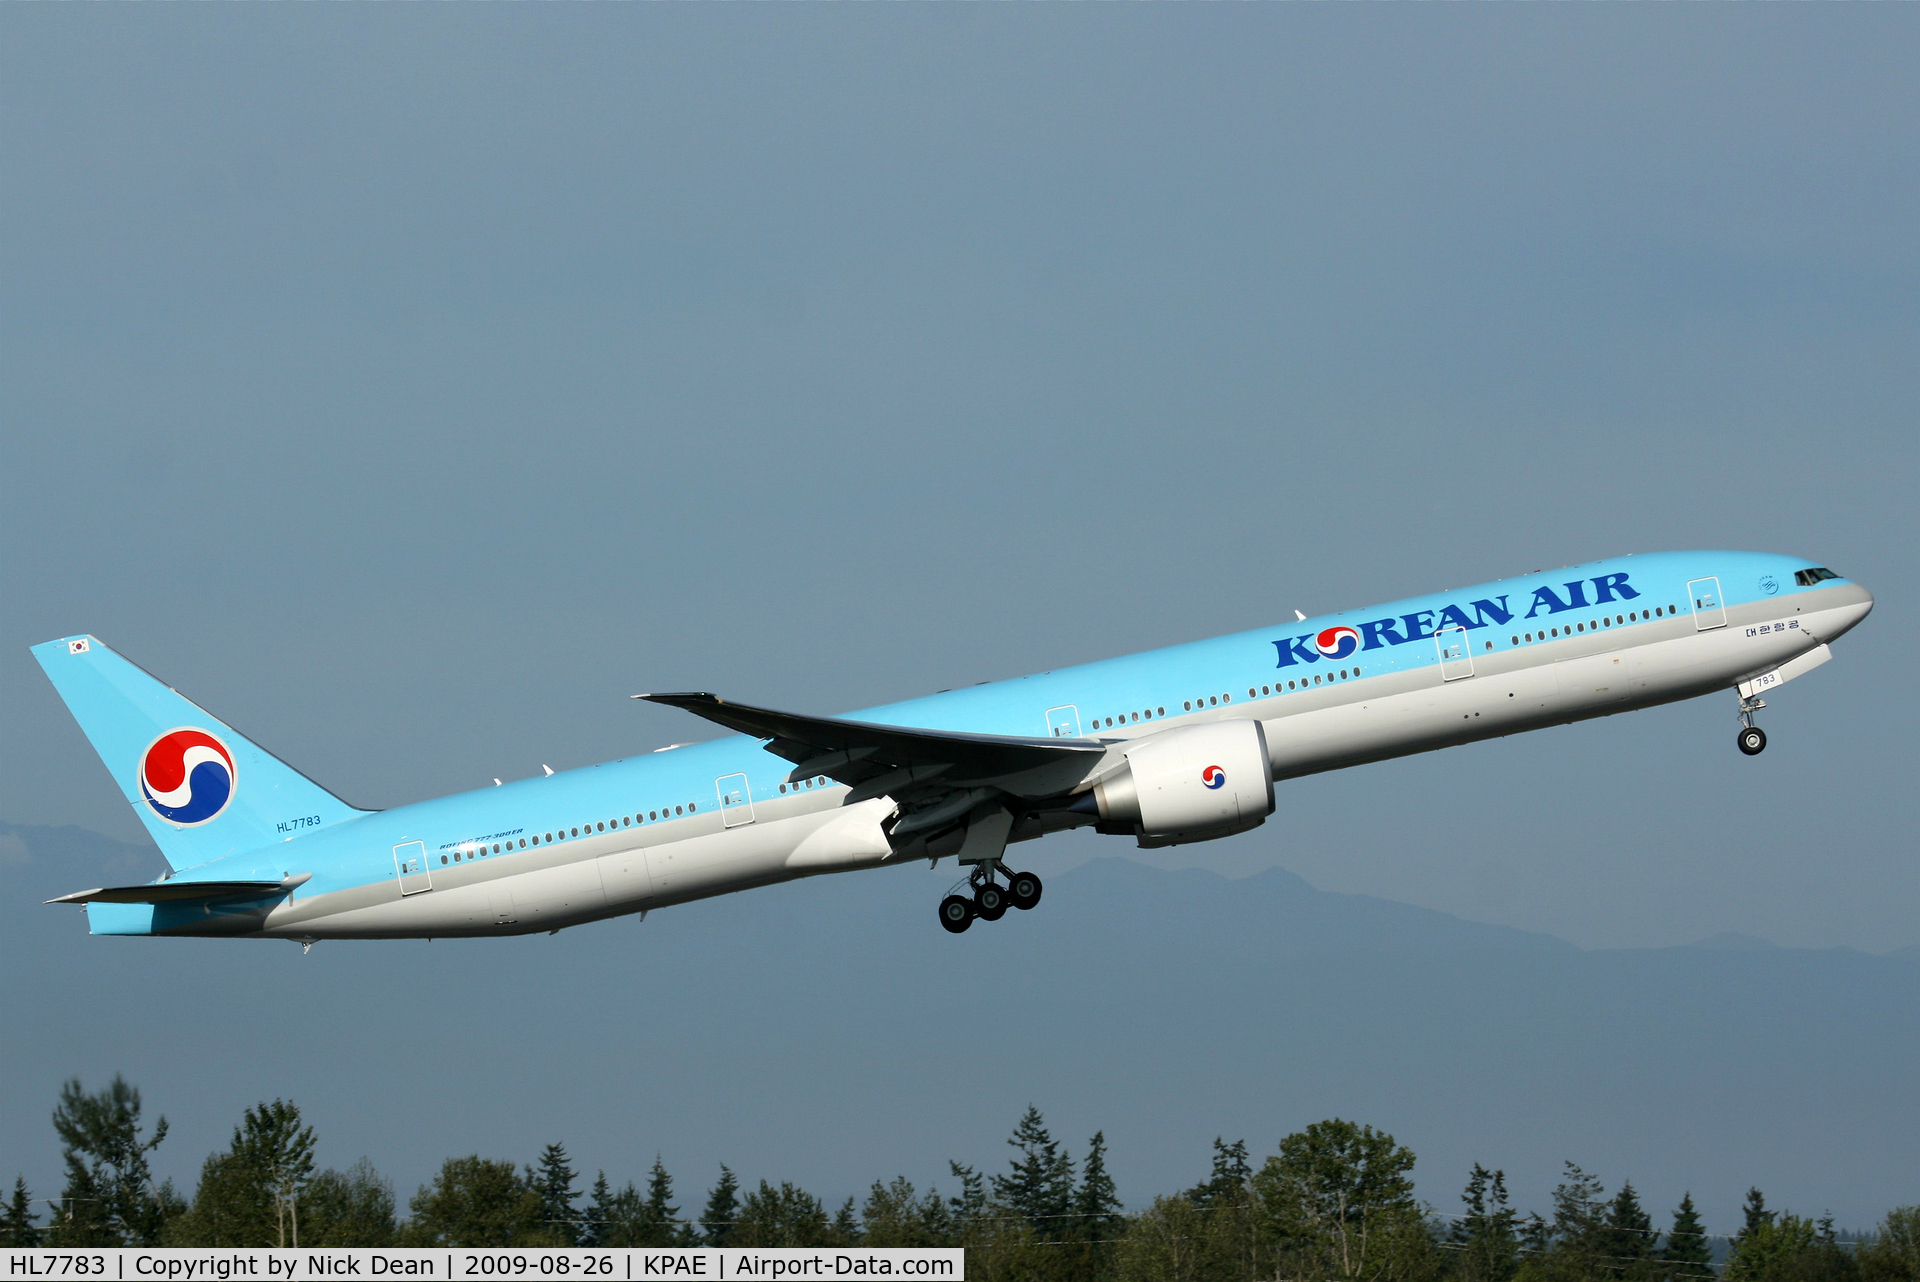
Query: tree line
(1335,1203)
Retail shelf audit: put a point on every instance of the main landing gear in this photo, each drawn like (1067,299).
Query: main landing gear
(1752,740)
(990,900)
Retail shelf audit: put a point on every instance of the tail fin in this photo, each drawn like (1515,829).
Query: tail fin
(202,789)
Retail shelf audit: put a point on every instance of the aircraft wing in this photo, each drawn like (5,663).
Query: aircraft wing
(861,752)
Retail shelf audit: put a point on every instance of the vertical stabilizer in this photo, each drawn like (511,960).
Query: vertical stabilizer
(202,789)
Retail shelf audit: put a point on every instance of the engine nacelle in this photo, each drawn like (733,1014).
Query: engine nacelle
(1191,784)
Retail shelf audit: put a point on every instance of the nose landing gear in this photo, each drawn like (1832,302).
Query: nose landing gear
(1752,739)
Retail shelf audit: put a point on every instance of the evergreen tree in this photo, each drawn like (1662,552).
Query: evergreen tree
(1579,1223)
(1754,1213)
(622,1219)
(845,1229)
(594,1232)
(1097,1221)
(1096,1203)
(553,1179)
(1686,1253)
(1485,1237)
(970,1203)
(661,1213)
(1536,1242)
(17,1222)
(110,1198)
(1038,1187)
(1626,1241)
(723,1210)
(1231,1175)
(1229,1246)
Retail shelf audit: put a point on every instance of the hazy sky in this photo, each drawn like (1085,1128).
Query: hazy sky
(409,385)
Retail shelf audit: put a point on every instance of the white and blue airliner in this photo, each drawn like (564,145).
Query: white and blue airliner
(1167,747)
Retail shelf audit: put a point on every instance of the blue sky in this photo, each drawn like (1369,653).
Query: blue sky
(409,385)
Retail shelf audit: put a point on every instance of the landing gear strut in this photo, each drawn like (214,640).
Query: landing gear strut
(1752,740)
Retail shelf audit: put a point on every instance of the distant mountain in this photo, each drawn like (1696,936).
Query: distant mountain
(36,856)
(829,1032)
(1732,941)
(1910,953)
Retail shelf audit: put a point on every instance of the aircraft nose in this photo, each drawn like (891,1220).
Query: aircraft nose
(1857,605)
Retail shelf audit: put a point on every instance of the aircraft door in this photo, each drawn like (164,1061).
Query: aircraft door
(410,865)
(1456,652)
(1063,722)
(736,800)
(1709,611)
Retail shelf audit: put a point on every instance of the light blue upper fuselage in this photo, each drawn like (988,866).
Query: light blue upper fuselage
(1156,683)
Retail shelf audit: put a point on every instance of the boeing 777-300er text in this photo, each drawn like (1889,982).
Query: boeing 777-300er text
(1171,746)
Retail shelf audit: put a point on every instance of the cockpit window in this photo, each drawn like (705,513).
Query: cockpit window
(1807,578)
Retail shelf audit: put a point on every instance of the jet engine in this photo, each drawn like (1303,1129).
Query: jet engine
(1191,784)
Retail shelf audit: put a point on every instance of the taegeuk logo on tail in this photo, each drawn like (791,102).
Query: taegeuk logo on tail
(187,776)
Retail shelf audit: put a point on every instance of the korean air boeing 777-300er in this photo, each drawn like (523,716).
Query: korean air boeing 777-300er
(1168,747)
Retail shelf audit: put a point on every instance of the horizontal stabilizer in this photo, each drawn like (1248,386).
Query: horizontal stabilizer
(173,892)
(852,752)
